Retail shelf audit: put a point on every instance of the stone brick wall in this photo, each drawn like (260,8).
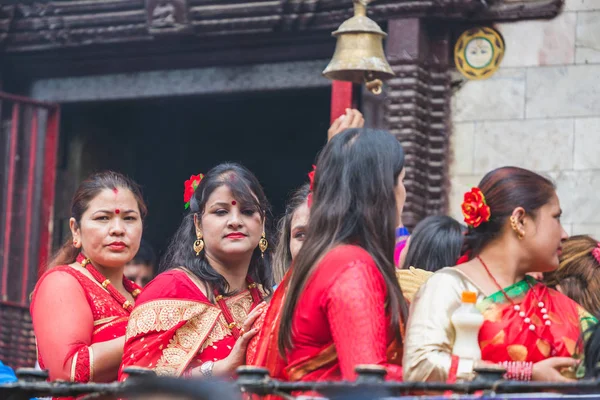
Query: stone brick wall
(540,111)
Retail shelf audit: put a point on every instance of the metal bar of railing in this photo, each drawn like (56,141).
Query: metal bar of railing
(255,381)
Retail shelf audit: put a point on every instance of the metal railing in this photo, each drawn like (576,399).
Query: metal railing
(370,384)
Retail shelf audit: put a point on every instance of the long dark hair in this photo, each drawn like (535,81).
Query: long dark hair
(505,189)
(283,257)
(248,192)
(353,202)
(435,243)
(85,193)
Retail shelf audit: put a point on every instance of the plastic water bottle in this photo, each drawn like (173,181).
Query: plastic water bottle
(467,321)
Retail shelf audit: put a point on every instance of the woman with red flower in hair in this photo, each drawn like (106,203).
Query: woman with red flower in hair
(195,318)
(530,329)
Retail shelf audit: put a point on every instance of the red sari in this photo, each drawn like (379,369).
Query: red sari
(341,321)
(70,312)
(175,328)
(263,349)
(558,324)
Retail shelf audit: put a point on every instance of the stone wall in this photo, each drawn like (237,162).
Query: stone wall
(540,111)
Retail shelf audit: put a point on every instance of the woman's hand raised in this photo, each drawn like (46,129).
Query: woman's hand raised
(352,119)
(237,357)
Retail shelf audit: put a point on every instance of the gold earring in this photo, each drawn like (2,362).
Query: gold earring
(198,244)
(75,243)
(513,225)
(263,244)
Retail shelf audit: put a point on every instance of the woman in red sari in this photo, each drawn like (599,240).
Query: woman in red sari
(195,318)
(80,307)
(262,350)
(532,330)
(345,267)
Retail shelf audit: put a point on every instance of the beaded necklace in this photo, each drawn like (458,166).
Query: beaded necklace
(101,279)
(220,300)
(517,307)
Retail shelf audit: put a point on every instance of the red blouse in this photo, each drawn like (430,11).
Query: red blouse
(70,312)
(343,304)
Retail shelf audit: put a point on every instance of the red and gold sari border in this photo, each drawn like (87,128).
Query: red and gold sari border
(191,325)
(162,315)
(113,321)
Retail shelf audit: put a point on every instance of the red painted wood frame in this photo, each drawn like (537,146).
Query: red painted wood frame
(341,98)
(27,196)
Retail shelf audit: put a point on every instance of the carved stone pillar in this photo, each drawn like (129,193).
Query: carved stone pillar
(417,111)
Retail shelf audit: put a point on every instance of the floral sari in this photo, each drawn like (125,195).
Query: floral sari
(70,313)
(530,323)
(175,328)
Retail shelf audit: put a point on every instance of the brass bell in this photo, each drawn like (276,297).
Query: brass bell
(359,55)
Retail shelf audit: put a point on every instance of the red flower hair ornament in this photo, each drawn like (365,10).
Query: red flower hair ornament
(311,179)
(475,209)
(190,187)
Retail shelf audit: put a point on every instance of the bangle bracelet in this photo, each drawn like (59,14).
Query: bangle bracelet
(206,369)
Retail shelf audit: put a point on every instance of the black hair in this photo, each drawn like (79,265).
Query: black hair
(248,192)
(435,243)
(145,255)
(504,190)
(354,202)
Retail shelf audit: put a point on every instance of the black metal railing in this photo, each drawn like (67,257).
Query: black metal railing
(370,384)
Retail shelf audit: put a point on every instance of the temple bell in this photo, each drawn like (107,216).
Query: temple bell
(359,55)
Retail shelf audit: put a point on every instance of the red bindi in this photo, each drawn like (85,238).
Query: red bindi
(233,203)
(117,211)
(115,190)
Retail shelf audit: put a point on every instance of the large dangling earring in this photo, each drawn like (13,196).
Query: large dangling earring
(198,244)
(513,225)
(263,244)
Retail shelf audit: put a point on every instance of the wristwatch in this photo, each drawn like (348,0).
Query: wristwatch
(206,369)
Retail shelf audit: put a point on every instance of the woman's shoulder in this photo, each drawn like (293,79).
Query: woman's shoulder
(62,279)
(347,254)
(171,284)
(345,260)
(60,274)
(449,279)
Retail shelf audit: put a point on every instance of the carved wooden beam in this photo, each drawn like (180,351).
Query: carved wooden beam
(46,24)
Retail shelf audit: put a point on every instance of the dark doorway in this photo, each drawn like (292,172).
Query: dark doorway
(161,142)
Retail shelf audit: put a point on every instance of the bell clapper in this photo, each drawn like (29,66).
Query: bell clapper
(375,86)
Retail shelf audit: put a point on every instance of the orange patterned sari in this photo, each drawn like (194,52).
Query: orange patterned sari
(535,321)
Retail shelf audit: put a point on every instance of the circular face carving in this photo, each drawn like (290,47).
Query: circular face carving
(478,52)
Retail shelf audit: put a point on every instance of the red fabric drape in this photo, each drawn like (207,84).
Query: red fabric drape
(70,312)
(175,328)
(343,307)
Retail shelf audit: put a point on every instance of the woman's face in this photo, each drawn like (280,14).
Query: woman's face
(400,193)
(230,229)
(110,229)
(298,228)
(544,236)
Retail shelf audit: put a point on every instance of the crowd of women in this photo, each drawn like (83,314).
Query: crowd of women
(339,288)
